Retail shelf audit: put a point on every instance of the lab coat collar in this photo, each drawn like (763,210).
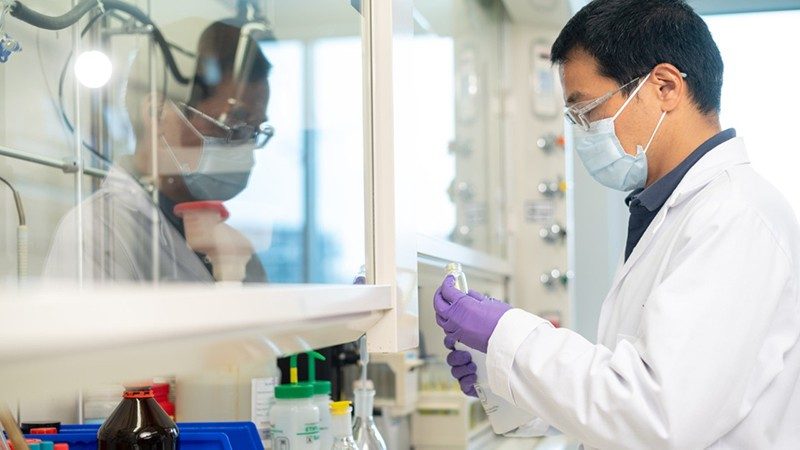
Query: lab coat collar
(727,155)
(122,185)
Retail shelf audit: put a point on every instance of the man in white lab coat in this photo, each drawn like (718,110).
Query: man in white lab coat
(206,135)
(697,344)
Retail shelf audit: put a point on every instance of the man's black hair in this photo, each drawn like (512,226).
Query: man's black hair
(628,38)
(217,49)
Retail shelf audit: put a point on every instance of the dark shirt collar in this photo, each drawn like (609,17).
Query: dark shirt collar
(654,196)
(167,206)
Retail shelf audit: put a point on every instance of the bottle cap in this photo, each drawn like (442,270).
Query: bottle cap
(216,206)
(61,446)
(321,387)
(453,267)
(340,408)
(138,392)
(294,390)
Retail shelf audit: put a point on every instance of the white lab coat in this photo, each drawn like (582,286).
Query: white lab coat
(697,344)
(116,231)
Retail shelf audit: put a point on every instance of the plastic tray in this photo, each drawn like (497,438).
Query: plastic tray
(193,436)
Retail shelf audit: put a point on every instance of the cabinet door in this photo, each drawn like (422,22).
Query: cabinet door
(228,145)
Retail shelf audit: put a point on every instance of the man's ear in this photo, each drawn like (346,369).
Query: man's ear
(671,86)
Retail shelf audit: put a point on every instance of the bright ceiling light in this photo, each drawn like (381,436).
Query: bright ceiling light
(93,69)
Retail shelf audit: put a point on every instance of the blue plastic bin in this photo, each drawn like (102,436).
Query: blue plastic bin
(193,436)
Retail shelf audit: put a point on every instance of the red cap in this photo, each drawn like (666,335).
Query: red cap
(145,392)
(199,206)
(48,430)
(61,447)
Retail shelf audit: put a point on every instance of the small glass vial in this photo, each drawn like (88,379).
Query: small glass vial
(342,427)
(454,269)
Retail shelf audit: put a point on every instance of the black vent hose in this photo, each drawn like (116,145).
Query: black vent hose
(71,17)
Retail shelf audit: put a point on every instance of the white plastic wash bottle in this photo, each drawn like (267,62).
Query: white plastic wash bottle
(294,417)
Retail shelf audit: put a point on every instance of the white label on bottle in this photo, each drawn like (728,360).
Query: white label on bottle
(262,396)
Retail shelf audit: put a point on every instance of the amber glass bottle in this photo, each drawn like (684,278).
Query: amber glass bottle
(138,423)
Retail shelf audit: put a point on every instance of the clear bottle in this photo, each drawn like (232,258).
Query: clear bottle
(341,427)
(138,423)
(365,431)
(456,271)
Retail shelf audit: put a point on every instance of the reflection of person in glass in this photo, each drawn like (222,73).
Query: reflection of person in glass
(196,153)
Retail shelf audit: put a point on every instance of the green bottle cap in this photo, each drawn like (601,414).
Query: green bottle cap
(321,387)
(293,389)
(296,390)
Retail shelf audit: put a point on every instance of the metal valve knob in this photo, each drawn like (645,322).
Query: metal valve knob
(460,148)
(462,234)
(549,142)
(546,143)
(552,234)
(555,188)
(460,190)
(554,278)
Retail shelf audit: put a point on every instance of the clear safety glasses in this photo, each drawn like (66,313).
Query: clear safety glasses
(578,113)
(237,134)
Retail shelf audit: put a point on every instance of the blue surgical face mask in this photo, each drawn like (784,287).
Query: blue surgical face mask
(604,157)
(223,169)
(223,172)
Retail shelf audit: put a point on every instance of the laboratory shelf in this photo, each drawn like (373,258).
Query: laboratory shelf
(70,337)
(438,252)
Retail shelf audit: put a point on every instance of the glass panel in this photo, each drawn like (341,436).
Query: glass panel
(750,93)
(224,140)
(452,97)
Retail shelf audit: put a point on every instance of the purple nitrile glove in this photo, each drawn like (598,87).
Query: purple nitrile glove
(467,318)
(462,368)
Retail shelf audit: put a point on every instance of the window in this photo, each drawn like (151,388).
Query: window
(760,96)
